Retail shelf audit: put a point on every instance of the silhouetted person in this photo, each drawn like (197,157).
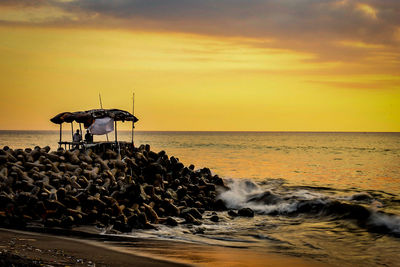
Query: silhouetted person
(88,137)
(77,138)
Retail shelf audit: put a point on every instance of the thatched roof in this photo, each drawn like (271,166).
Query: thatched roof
(87,117)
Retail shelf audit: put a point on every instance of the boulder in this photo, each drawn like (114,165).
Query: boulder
(246,212)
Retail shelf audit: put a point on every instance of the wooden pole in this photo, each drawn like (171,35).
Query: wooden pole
(133,113)
(59,144)
(115,128)
(80,127)
(72,131)
(101,106)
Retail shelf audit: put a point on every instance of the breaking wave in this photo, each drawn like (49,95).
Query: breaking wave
(277,199)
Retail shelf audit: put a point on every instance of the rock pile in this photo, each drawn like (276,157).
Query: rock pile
(139,189)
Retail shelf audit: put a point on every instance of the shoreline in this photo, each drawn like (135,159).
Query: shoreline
(45,249)
(58,250)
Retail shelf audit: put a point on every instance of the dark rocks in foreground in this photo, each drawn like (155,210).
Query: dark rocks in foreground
(134,189)
(10,259)
(246,212)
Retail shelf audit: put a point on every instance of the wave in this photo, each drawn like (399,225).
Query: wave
(360,208)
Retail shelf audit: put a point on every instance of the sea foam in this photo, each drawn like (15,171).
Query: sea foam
(264,200)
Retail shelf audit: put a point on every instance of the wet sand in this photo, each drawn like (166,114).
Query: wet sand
(43,249)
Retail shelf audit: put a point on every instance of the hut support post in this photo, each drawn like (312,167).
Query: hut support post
(133,113)
(80,127)
(72,131)
(101,106)
(116,138)
(59,144)
(115,128)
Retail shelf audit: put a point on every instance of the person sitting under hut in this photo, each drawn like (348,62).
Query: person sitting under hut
(88,137)
(77,138)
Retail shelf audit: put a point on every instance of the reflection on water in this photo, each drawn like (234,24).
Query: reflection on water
(340,160)
(202,255)
(332,197)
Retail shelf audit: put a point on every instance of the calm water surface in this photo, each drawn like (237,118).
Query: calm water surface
(333,197)
(340,160)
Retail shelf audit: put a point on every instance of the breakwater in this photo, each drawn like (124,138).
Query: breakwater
(136,188)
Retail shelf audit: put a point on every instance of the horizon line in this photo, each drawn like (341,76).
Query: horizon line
(220,131)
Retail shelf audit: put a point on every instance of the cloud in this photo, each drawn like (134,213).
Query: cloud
(375,85)
(367,10)
(310,26)
(23,3)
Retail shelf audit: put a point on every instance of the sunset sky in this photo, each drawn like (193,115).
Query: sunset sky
(246,65)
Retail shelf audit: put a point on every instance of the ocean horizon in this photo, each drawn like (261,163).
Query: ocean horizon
(216,131)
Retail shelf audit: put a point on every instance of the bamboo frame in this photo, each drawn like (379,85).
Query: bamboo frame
(115,129)
(59,145)
(72,131)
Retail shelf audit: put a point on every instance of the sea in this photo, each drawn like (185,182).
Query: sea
(333,197)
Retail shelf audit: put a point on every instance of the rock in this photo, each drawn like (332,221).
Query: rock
(133,221)
(190,219)
(161,154)
(188,200)
(149,226)
(214,218)
(209,187)
(192,211)
(170,208)
(198,204)
(219,205)
(198,230)
(181,192)
(362,197)
(61,193)
(171,222)
(152,215)
(171,194)
(152,155)
(3,159)
(147,147)
(142,218)
(67,221)
(246,212)
(149,190)
(53,157)
(232,213)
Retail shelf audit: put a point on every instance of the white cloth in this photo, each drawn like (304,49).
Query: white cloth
(102,126)
(77,137)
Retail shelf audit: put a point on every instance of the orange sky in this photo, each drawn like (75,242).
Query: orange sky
(226,65)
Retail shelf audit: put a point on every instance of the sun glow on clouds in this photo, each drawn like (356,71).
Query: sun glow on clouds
(367,10)
(361,45)
(274,79)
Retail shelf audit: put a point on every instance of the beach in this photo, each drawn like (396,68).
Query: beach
(55,250)
(42,249)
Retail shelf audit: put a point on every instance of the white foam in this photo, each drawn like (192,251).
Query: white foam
(240,190)
(391,222)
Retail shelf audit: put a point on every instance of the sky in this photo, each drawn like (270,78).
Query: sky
(210,65)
